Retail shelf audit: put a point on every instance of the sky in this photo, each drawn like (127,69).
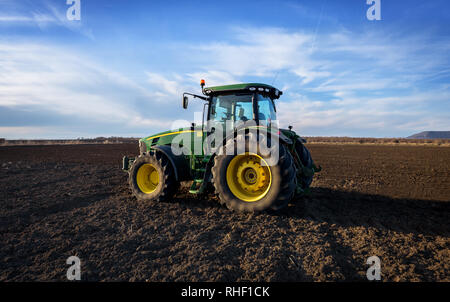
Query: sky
(122,68)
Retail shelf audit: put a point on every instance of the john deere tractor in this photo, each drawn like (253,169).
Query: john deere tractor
(238,152)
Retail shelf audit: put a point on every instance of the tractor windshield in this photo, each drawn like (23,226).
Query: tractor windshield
(239,107)
(232,107)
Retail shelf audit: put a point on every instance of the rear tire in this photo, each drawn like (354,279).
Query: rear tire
(151,177)
(241,180)
(305,157)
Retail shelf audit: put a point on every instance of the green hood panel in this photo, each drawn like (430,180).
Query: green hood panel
(166,137)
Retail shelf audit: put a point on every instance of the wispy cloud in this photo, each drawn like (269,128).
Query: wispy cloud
(64,83)
(36,19)
(256,52)
(350,83)
(371,80)
(381,116)
(165,86)
(15,19)
(47,15)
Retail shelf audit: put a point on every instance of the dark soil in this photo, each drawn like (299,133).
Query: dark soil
(388,201)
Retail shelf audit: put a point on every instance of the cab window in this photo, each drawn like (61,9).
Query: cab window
(266,110)
(234,107)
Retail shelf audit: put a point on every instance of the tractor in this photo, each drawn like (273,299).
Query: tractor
(238,153)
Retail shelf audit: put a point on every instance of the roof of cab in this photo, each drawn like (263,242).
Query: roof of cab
(242,87)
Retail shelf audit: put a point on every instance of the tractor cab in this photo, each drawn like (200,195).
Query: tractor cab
(242,103)
(232,105)
(238,107)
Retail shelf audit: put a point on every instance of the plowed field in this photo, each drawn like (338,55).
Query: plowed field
(388,201)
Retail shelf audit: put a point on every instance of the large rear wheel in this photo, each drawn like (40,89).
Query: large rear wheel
(305,157)
(247,183)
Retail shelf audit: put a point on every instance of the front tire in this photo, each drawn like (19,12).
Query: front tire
(151,177)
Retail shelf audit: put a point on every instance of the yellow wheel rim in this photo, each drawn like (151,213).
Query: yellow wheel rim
(249,177)
(147,178)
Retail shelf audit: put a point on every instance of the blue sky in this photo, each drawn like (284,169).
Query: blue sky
(121,69)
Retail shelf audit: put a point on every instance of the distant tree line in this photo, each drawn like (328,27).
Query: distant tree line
(313,139)
(97,140)
(369,140)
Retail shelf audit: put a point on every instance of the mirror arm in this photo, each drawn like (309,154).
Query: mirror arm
(196,96)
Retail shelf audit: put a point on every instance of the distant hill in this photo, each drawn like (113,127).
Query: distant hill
(431,135)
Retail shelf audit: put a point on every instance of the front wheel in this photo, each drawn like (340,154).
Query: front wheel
(151,177)
(247,183)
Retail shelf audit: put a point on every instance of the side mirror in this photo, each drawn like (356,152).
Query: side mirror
(185,102)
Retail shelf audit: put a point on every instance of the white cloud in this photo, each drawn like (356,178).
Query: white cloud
(59,81)
(16,19)
(167,86)
(382,116)
(346,84)
(373,59)
(257,52)
(47,15)
(309,75)
(213,77)
(25,132)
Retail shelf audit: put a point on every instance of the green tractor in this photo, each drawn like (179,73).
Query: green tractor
(238,151)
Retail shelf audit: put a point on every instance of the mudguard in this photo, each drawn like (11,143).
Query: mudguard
(179,163)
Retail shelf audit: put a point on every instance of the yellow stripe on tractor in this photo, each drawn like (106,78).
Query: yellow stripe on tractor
(172,133)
